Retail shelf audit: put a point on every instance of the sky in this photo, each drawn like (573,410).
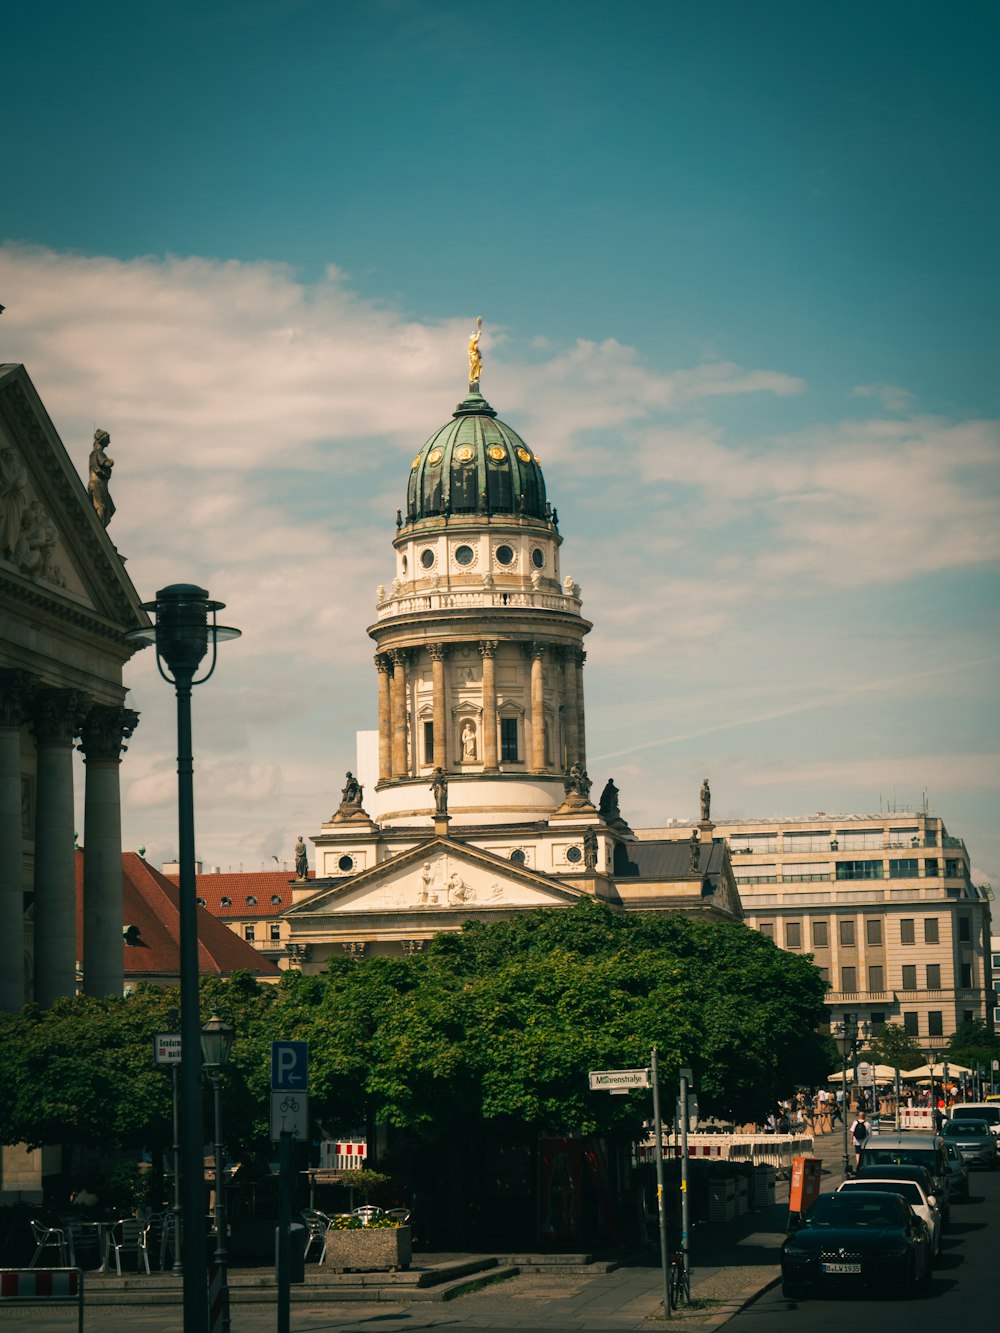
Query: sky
(738,271)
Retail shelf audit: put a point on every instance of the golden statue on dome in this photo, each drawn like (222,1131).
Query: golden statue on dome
(475,357)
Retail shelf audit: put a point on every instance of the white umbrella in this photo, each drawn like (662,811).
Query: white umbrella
(934,1071)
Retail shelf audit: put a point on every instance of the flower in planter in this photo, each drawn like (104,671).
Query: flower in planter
(348,1223)
(384,1223)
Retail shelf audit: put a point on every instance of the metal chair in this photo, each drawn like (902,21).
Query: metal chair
(168,1239)
(368,1213)
(129,1235)
(316,1225)
(81,1235)
(48,1238)
(399,1215)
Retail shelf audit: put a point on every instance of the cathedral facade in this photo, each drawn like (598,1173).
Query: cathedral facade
(482,804)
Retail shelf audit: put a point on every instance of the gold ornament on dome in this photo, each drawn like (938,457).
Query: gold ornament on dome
(435,456)
(415,463)
(524,456)
(538,461)
(496,453)
(475,356)
(465,453)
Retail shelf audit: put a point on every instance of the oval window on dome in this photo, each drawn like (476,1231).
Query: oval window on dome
(465,454)
(518,856)
(574,854)
(505,555)
(464,555)
(524,456)
(538,557)
(497,453)
(404,564)
(435,456)
(427,557)
(346,863)
(415,463)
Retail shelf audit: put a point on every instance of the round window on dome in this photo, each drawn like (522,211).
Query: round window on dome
(346,863)
(574,854)
(465,453)
(427,557)
(505,555)
(524,456)
(518,856)
(464,555)
(435,456)
(538,557)
(497,453)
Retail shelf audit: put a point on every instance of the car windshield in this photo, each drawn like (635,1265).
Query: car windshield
(897,1157)
(908,1189)
(859,1208)
(991,1114)
(961,1129)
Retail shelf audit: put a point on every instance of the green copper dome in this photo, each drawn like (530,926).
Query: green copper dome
(475,464)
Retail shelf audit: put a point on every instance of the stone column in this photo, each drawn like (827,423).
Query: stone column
(488,649)
(105,729)
(537,708)
(382,665)
(15,704)
(581,730)
(438,653)
(56,721)
(571,722)
(399,762)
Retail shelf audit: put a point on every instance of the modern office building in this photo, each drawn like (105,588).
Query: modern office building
(884,903)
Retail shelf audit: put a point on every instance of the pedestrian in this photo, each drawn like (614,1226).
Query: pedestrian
(859,1134)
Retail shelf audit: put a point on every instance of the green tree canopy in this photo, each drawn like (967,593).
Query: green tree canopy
(893,1045)
(973,1045)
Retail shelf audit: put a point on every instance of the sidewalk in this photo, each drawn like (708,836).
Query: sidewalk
(731,1264)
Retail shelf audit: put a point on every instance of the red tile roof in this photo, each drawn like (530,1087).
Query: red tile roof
(150,901)
(238,886)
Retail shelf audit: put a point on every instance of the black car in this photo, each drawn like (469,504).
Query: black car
(857,1239)
(974,1141)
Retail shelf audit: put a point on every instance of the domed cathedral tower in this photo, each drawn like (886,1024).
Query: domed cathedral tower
(479,639)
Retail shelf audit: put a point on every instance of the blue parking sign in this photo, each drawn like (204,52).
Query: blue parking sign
(289,1066)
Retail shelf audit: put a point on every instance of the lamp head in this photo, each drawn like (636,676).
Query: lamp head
(216,1043)
(181,631)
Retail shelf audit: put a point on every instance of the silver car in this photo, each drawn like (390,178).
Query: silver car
(975,1143)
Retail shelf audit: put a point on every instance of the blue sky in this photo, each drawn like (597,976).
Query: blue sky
(738,269)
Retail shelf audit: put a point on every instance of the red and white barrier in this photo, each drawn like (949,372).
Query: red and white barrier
(43,1284)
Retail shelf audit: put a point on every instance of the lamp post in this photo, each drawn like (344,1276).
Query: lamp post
(846,1034)
(216,1044)
(182,634)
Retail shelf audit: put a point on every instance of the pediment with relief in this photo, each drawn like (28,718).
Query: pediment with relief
(438,878)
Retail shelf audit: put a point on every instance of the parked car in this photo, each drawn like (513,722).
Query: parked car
(988,1111)
(909,1149)
(923,1203)
(958,1174)
(857,1238)
(974,1142)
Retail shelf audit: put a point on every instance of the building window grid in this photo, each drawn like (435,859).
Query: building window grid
(847,932)
(821,934)
(873,930)
(508,740)
(933,976)
(793,934)
(860,870)
(909,976)
(931,930)
(907,931)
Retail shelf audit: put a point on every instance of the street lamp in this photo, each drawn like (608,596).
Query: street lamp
(848,1033)
(216,1044)
(182,633)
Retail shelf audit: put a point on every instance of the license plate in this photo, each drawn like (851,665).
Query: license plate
(840,1268)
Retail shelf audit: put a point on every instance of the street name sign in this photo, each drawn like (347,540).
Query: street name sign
(290,1115)
(289,1066)
(619,1080)
(167,1048)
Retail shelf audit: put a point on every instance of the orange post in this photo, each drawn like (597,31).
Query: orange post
(804,1187)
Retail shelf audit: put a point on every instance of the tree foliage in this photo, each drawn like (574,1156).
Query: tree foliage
(893,1045)
(973,1045)
(496,1024)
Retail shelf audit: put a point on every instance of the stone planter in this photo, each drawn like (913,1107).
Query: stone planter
(369,1249)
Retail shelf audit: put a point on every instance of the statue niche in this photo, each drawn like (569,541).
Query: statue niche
(468,738)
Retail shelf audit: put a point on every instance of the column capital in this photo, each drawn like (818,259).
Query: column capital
(17,689)
(399,656)
(57,715)
(105,731)
(383,662)
(355,949)
(582,656)
(438,651)
(488,647)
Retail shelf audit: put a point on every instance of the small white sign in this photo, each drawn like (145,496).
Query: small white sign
(167,1048)
(619,1080)
(866,1075)
(290,1115)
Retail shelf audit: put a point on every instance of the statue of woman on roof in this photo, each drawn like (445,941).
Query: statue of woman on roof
(100,475)
(706,801)
(475,357)
(301,859)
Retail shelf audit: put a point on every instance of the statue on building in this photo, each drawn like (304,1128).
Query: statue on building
(469,743)
(352,792)
(590,849)
(475,356)
(100,475)
(301,859)
(609,802)
(706,801)
(576,783)
(439,787)
(695,848)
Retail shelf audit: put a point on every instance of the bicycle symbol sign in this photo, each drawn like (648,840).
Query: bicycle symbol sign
(290,1115)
